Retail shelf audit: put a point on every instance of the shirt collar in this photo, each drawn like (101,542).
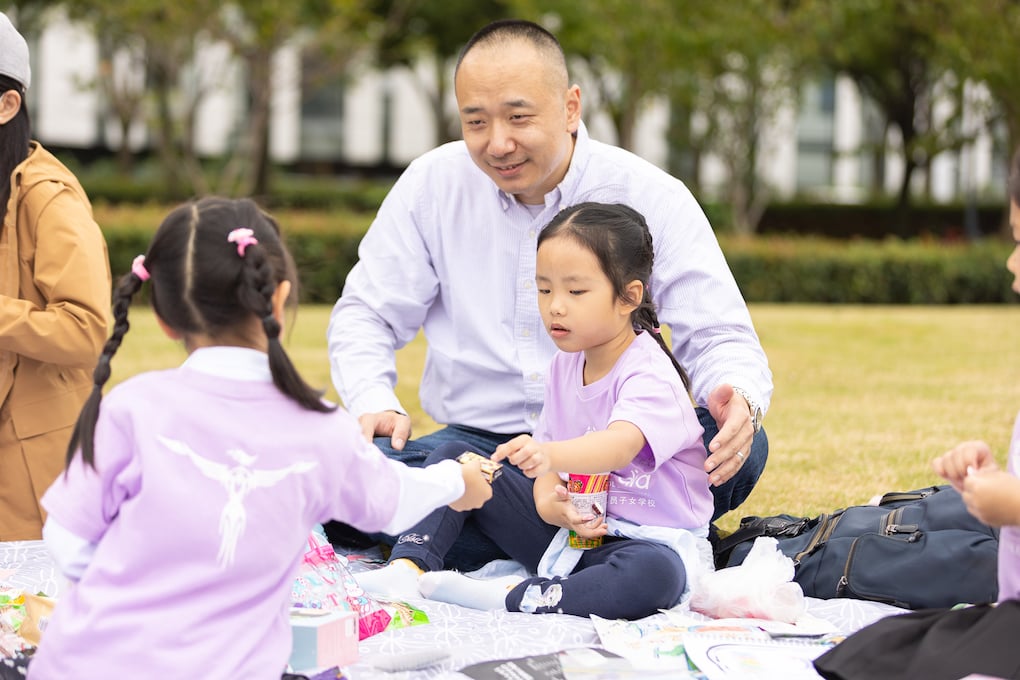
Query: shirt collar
(578,161)
(235,363)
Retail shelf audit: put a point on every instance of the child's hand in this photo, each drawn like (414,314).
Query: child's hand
(477,489)
(585,525)
(993,496)
(524,452)
(954,464)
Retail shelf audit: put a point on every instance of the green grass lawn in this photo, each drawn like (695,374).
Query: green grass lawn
(865,396)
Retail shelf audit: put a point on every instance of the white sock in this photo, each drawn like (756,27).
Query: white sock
(475,593)
(398,580)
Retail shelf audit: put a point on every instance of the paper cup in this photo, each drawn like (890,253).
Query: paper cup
(589,494)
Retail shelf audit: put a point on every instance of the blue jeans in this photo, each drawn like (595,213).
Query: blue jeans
(473,549)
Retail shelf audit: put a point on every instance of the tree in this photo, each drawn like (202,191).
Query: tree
(625,52)
(160,41)
(720,65)
(412,32)
(980,41)
(887,47)
(255,30)
(733,72)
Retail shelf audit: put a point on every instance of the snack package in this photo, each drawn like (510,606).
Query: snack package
(589,494)
(491,470)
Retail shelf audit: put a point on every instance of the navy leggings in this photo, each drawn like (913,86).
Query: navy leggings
(623,578)
(474,548)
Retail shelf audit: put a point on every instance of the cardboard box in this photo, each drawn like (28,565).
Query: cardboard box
(322,639)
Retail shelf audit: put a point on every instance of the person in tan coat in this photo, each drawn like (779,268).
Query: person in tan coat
(54,302)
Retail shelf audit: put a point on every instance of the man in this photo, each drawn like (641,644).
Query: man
(452,250)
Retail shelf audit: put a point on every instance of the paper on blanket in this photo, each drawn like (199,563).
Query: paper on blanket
(723,656)
(580,663)
(806,626)
(652,644)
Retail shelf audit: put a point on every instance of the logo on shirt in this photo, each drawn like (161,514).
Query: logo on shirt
(238,481)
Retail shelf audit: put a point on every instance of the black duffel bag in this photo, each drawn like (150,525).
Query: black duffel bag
(915,549)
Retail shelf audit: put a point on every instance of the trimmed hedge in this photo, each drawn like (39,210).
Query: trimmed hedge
(767,269)
(867,272)
(881,220)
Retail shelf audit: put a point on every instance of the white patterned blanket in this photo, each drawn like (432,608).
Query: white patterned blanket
(468,636)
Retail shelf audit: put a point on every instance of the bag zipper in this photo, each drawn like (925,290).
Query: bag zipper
(826,523)
(844,581)
(892,526)
(897,496)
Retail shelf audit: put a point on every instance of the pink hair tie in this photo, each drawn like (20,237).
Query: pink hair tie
(243,238)
(138,268)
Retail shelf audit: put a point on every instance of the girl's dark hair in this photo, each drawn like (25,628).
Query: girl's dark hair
(201,284)
(1014,178)
(15,136)
(618,236)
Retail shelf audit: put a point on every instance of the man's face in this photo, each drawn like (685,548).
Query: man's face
(517,118)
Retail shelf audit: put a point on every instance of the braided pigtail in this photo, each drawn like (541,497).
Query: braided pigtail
(619,238)
(255,292)
(85,428)
(645,318)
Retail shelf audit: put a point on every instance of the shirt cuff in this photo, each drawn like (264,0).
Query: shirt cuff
(375,400)
(423,490)
(71,552)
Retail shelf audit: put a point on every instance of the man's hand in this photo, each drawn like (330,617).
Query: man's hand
(396,426)
(736,432)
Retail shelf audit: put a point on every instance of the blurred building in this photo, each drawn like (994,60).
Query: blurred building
(815,148)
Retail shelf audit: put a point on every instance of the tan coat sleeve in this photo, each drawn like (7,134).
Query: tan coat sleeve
(61,312)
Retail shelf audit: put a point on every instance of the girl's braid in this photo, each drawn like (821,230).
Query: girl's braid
(84,428)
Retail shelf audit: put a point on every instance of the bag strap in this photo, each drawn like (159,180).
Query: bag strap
(753,527)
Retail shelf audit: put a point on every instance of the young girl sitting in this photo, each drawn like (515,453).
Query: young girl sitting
(616,401)
(189,493)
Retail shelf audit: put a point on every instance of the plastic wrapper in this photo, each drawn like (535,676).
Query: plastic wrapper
(325,582)
(761,587)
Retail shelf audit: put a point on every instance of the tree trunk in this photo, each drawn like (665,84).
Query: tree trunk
(160,80)
(260,66)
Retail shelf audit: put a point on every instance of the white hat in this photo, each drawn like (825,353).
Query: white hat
(13,53)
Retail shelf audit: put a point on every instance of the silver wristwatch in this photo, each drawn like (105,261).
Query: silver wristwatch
(756,413)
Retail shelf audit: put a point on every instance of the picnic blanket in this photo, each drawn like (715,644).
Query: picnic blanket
(466,636)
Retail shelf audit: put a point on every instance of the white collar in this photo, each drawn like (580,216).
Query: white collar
(236,363)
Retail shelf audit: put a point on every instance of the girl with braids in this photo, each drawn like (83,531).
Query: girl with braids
(616,401)
(189,493)
(54,302)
